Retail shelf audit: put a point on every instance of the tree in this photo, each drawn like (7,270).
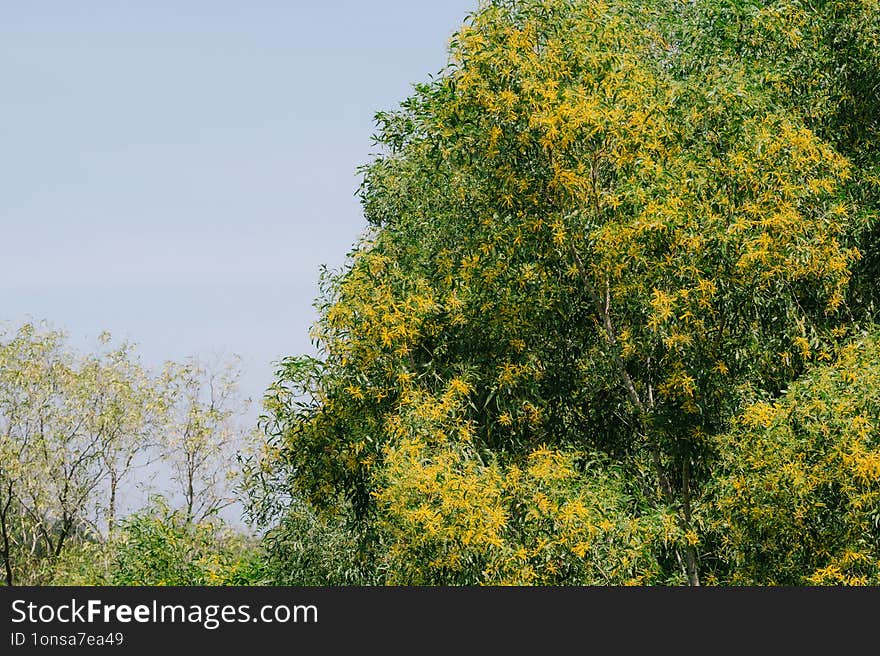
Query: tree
(52,446)
(27,365)
(580,240)
(202,435)
(124,408)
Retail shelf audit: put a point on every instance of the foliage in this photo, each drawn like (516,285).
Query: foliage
(82,563)
(202,436)
(310,549)
(159,546)
(799,499)
(156,546)
(589,237)
(821,62)
(73,428)
(449,519)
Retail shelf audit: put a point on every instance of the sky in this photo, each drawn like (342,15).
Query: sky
(176,172)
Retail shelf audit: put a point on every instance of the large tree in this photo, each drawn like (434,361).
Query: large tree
(590,241)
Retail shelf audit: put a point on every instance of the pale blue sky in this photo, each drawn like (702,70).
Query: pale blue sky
(176,172)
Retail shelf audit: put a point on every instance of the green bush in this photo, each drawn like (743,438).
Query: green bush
(157,546)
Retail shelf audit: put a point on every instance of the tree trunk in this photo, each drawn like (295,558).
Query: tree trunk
(7,549)
(111,509)
(602,306)
(190,493)
(690,552)
(66,525)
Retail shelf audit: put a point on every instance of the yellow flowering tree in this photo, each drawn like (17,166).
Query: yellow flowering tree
(581,242)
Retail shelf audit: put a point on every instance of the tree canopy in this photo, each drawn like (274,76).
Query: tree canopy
(595,239)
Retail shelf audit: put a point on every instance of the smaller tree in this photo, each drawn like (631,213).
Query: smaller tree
(203,436)
(49,461)
(123,407)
